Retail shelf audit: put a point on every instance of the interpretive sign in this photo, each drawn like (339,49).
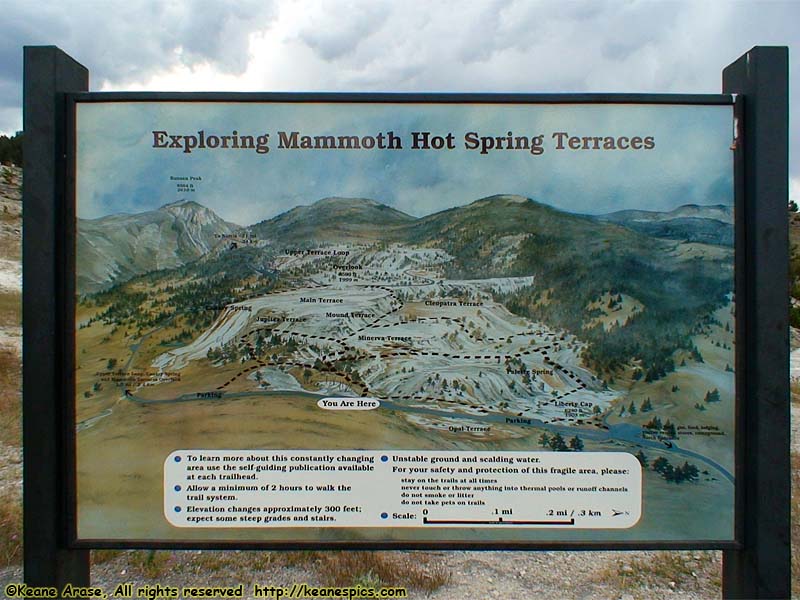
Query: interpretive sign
(407,489)
(409,320)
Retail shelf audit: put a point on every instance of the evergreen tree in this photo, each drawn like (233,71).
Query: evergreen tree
(544,440)
(690,472)
(557,443)
(11,149)
(576,444)
(660,465)
(696,355)
(654,423)
(670,473)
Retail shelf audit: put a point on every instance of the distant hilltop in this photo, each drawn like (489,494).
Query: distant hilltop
(717,212)
(116,248)
(711,224)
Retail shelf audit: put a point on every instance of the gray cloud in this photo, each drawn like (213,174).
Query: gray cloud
(120,42)
(340,28)
(218,32)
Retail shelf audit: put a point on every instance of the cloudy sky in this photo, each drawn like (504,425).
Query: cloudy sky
(499,45)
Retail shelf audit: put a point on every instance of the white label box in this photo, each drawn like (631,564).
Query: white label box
(386,488)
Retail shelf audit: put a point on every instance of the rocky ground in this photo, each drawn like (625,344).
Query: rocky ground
(434,575)
(468,575)
(10,247)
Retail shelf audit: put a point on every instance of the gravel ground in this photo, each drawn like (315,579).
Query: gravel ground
(474,575)
(11,208)
(795,443)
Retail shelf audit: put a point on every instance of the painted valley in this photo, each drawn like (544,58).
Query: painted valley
(502,324)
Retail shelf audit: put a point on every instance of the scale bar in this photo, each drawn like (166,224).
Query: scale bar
(427,521)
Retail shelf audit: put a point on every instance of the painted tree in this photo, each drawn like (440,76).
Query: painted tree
(690,471)
(558,444)
(660,465)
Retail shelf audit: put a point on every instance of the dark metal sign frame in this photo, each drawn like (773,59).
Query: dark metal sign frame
(68,302)
(756,564)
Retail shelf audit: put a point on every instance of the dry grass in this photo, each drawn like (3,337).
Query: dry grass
(665,570)
(419,570)
(10,398)
(10,229)
(298,558)
(237,564)
(216,565)
(10,429)
(10,309)
(9,249)
(794,386)
(11,527)
(795,523)
(382,569)
(150,564)
(99,557)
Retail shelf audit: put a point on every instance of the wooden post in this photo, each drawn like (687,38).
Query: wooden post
(762,568)
(49,74)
